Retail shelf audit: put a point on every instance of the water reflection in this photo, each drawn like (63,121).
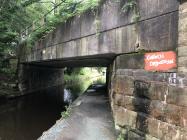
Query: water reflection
(68,97)
(28,117)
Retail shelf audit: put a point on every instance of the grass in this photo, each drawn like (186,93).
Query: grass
(120,137)
(79,81)
(65,114)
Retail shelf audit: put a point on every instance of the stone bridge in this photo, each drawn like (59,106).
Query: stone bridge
(146,104)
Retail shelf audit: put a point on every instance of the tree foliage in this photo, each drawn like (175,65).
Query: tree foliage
(66,10)
(15,15)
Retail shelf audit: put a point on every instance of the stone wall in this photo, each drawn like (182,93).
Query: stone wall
(151,105)
(182,48)
(148,104)
(33,79)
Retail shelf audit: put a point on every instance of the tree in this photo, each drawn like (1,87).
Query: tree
(16,15)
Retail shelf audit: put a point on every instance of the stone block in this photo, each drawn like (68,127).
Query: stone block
(37,55)
(59,51)
(135,136)
(124,117)
(48,40)
(29,58)
(172,114)
(118,99)
(157,91)
(124,85)
(182,41)
(127,72)
(90,23)
(84,47)
(182,69)
(153,127)
(182,51)
(130,61)
(71,49)
(54,52)
(177,96)
(141,88)
(75,27)
(107,42)
(183,117)
(128,103)
(126,39)
(148,137)
(182,61)
(92,45)
(173,133)
(142,122)
(159,34)
(119,18)
(157,110)
(48,53)
(183,135)
(151,8)
(166,131)
(109,9)
(64,32)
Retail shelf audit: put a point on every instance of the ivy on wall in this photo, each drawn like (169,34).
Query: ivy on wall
(66,10)
(132,5)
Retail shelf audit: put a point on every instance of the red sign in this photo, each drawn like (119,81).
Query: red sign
(160,61)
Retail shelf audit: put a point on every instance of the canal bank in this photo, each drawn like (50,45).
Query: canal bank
(89,118)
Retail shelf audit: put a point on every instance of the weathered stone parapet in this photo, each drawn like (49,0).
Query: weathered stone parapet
(182,40)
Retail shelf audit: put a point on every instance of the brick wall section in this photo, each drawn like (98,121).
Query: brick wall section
(149,107)
(182,48)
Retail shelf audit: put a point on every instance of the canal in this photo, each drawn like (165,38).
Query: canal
(26,118)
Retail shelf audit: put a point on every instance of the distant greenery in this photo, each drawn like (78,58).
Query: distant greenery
(101,80)
(8,71)
(79,79)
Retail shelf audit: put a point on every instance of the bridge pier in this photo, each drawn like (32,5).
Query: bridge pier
(33,79)
(148,105)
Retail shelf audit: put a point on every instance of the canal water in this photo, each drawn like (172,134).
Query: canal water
(26,118)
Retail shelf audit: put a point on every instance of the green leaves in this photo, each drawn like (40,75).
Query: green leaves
(66,113)
(16,15)
(66,10)
(131,4)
